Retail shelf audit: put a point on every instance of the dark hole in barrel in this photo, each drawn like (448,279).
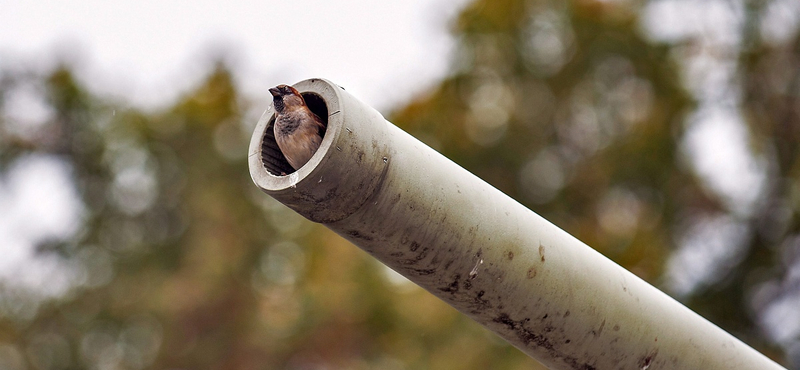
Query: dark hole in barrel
(271,156)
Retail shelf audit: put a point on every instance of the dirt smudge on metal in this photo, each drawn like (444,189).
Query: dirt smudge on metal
(528,337)
(646,361)
(599,330)
(454,286)
(356,234)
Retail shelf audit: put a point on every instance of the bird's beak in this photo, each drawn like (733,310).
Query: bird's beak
(275,92)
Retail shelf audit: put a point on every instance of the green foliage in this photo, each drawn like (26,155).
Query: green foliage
(569,135)
(180,262)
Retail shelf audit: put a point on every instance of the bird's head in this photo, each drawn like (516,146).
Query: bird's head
(286,97)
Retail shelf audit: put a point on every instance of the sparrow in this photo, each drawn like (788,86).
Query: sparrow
(298,131)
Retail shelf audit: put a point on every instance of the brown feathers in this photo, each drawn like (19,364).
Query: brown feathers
(297,129)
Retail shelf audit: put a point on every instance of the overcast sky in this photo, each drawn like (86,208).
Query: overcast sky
(148,51)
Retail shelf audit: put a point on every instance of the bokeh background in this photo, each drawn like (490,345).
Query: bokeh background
(663,133)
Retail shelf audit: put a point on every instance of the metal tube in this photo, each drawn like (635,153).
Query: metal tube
(525,279)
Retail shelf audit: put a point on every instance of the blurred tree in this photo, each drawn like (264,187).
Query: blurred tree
(179,262)
(583,120)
